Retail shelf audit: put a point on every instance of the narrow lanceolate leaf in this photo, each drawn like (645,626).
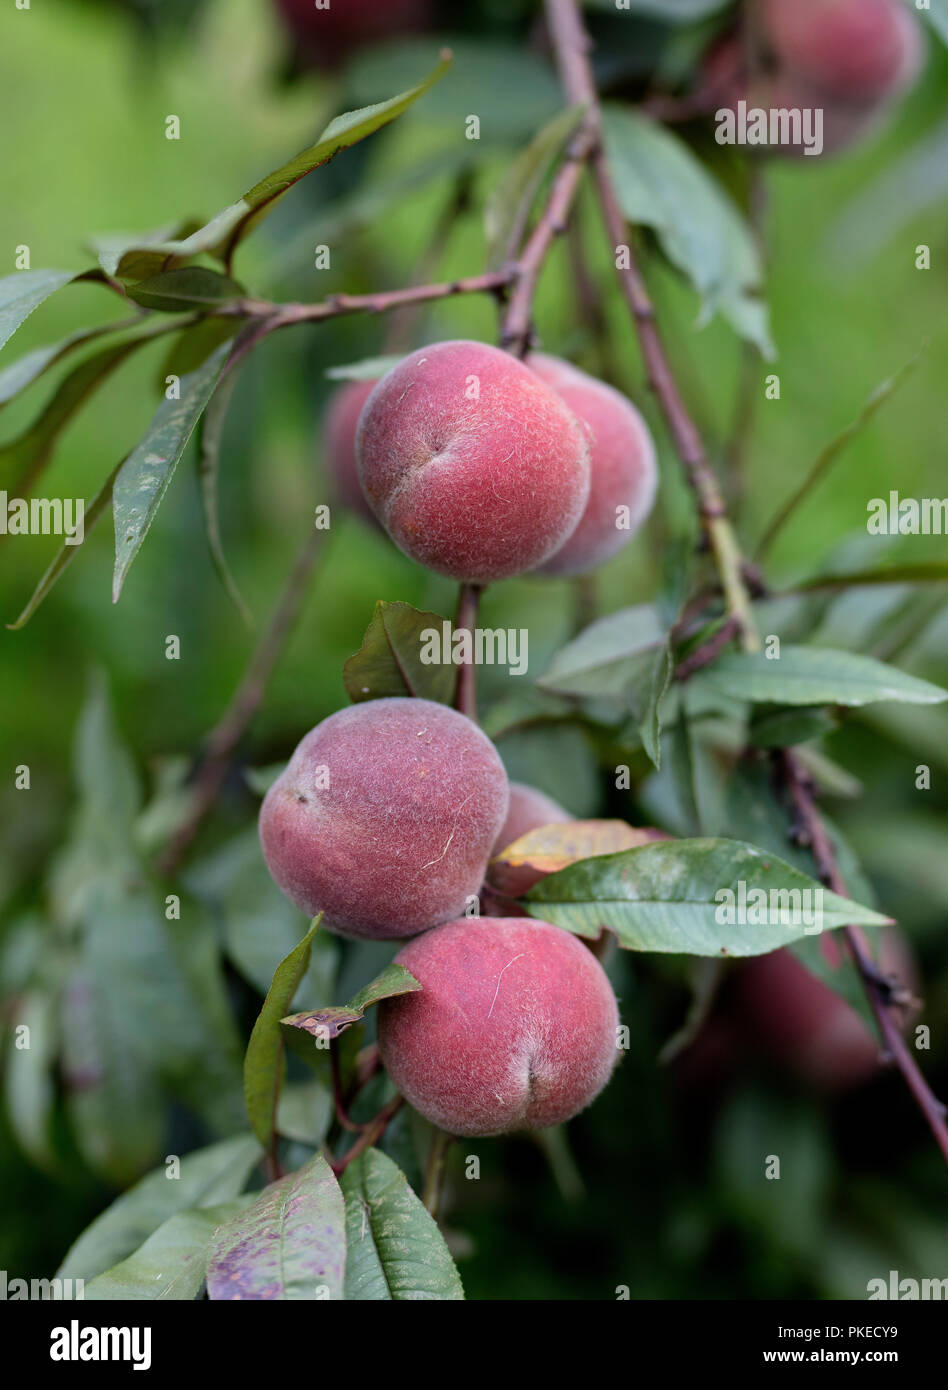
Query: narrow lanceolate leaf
(817,676)
(697,897)
(395,1250)
(189,287)
(290,1244)
(67,553)
(508,208)
(31,366)
(173,1260)
(224,232)
(265,1063)
(832,451)
(932,572)
(144,477)
(23,459)
(328,1023)
(209,453)
(391,658)
(25,291)
(204,1178)
(610,657)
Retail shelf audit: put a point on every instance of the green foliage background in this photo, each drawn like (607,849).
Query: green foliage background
(675,1205)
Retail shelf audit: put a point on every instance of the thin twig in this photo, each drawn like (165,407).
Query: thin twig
(337,305)
(227,733)
(882,997)
(435,1169)
(704,654)
(370,1135)
(572,44)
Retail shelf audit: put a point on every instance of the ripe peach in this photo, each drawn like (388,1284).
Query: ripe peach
(339,432)
(528,810)
(514,1026)
(622,466)
(326,34)
(474,466)
(805,1024)
(852,50)
(385,816)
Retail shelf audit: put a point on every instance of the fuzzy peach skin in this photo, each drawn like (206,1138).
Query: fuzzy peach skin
(399,838)
(529,809)
(852,50)
(514,1026)
(474,466)
(339,434)
(622,465)
(804,1024)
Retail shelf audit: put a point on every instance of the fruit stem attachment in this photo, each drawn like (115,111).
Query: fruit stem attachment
(469,598)
(434,1172)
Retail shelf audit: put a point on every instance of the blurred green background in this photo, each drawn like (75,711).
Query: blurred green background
(675,1204)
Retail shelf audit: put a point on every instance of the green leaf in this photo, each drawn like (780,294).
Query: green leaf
(934,572)
(389,660)
(524,92)
(647,695)
(201,1179)
(210,434)
(662,185)
(28,1084)
(144,477)
(937,16)
(25,291)
(395,1250)
(671,896)
(28,368)
(131,255)
(290,1244)
(369,369)
(816,676)
(227,229)
(264,1063)
(783,728)
(508,208)
(611,657)
(172,1262)
(258,924)
(67,553)
(329,1022)
(185,288)
(832,451)
(22,460)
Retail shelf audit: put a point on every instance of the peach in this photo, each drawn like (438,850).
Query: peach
(623,473)
(514,1026)
(852,50)
(384,818)
(474,466)
(528,810)
(326,34)
(803,1023)
(339,433)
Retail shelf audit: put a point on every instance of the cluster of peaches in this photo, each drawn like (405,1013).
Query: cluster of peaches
(479,467)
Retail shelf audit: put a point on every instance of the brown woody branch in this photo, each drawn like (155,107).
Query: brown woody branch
(572,46)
